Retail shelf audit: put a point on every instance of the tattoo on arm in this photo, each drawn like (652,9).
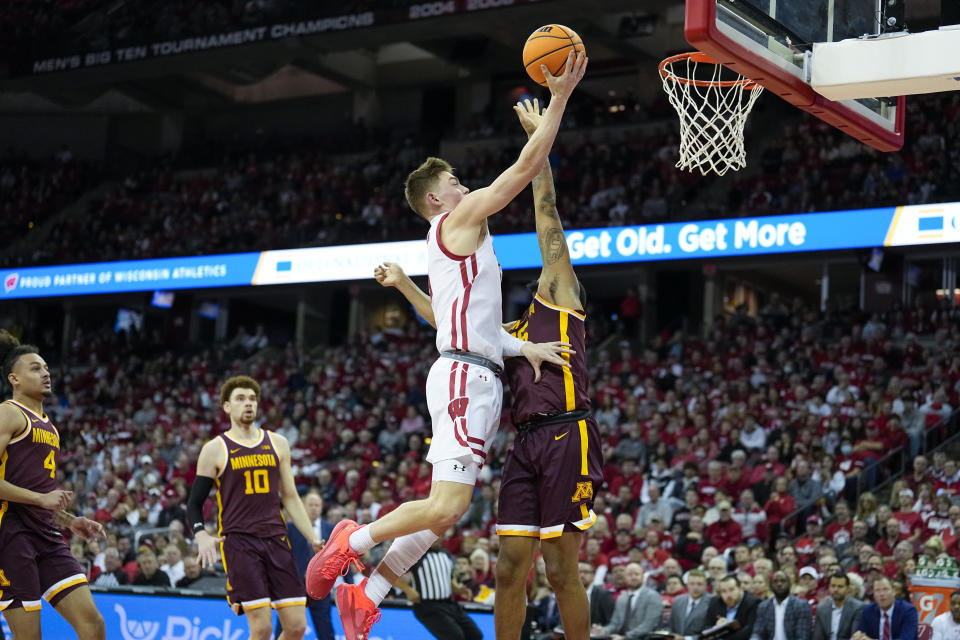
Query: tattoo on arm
(554,245)
(63,518)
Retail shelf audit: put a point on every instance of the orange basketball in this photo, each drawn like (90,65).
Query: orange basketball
(549,45)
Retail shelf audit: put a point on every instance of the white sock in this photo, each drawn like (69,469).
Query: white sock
(377,588)
(360,540)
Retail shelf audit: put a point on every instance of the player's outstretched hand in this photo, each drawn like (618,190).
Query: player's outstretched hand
(541,352)
(207,549)
(317,545)
(529,115)
(56,500)
(389,274)
(563,85)
(86,529)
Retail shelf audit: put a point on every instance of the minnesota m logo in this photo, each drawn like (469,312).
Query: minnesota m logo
(3,580)
(584,492)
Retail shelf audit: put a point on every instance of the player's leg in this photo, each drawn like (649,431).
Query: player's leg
(293,619)
(260,621)
(65,587)
(513,566)
(77,608)
(248,588)
(447,503)
(518,528)
(561,557)
(571,466)
(24,624)
(285,584)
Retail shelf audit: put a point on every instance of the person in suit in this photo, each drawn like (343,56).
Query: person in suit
(792,622)
(601,600)
(887,618)
(688,616)
(638,611)
(319,610)
(733,604)
(839,615)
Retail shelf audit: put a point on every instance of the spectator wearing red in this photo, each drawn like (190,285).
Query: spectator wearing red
(779,506)
(620,556)
(807,545)
(891,536)
(771,456)
(725,532)
(911,524)
(950,482)
(736,480)
(840,531)
(808,581)
(708,486)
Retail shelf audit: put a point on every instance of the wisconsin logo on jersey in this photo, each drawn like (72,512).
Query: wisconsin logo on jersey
(584,492)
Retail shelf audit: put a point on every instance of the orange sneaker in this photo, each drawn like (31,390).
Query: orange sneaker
(332,561)
(357,612)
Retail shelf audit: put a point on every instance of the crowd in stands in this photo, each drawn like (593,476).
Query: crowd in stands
(33,190)
(748,450)
(291,195)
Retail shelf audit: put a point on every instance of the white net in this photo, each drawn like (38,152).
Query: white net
(713,110)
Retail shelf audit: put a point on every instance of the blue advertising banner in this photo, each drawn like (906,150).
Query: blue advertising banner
(192,272)
(148,617)
(711,239)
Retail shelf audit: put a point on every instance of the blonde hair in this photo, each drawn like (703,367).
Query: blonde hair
(421,180)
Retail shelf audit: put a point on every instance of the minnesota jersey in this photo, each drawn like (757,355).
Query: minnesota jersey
(30,462)
(465,296)
(560,389)
(248,487)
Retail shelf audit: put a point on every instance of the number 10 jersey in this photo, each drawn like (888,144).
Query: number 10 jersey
(248,488)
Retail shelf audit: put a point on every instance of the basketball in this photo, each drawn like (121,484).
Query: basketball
(549,45)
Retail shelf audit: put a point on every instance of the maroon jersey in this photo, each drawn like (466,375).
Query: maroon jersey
(560,389)
(248,488)
(30,462)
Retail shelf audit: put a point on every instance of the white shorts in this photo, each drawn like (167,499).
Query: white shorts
(464,401)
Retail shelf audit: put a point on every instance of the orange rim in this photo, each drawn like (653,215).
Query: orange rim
(666,71)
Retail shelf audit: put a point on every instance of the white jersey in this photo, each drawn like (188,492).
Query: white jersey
(465,296)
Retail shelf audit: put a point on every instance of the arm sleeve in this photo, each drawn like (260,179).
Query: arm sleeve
(198,495)
(511,344)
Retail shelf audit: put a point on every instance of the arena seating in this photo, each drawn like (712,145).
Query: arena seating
(790,389)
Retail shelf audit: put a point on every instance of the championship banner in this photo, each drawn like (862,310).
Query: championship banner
(82,59)
(708,239)
(931,597)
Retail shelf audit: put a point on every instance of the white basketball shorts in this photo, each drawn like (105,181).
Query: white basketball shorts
(465,402)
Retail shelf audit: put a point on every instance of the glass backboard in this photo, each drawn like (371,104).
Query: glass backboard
(771,42)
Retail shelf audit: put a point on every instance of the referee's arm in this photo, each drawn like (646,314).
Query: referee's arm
(412,594)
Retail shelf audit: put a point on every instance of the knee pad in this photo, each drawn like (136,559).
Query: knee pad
(406,550)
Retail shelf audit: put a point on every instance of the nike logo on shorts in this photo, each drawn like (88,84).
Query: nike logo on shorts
(561,435)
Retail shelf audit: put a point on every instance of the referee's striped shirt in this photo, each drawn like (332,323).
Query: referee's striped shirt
(432,575)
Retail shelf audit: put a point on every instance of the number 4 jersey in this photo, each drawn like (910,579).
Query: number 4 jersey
(30,462)
(248,487)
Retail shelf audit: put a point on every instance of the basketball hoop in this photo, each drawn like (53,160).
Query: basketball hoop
(713,111)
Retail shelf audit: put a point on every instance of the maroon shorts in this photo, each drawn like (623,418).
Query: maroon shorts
(549,479)
(261,572)
(34,566)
